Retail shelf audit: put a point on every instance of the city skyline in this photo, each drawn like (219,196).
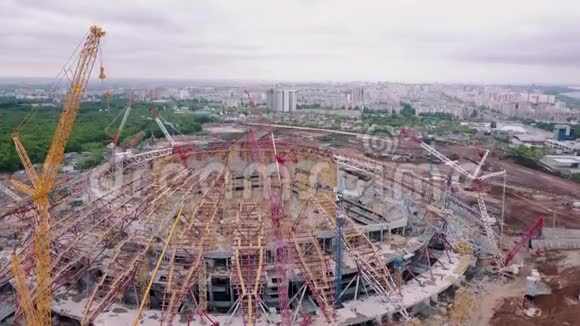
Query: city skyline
(515,42)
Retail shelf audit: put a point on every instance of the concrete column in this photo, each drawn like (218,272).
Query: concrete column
(210,289)
(231,291)
(435,298)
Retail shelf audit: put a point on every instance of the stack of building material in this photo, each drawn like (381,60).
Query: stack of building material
(558,238)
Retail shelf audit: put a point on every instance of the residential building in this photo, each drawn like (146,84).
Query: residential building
(358,98)
(541,98)
(281,100)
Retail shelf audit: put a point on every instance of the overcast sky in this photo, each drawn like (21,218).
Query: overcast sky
(504,41)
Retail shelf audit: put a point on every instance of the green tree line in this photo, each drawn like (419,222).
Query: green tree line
(88,132)
(439,123)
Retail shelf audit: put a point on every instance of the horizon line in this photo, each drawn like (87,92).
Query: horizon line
(290,81)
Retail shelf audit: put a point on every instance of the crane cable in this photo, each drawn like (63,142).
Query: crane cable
(115,119)
(102,77)
(171,124)
(52,88)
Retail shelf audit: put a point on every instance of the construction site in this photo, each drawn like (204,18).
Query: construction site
(277,227)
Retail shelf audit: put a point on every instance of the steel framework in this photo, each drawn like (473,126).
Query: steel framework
(249,259)
(124,230)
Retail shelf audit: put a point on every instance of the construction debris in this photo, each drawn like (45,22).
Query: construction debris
(462,306)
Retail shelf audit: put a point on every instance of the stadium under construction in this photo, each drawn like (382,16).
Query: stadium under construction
(257,231)
(251,232)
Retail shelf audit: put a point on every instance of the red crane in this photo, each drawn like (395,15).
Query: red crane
(133,140)
(533,232)
(276,218)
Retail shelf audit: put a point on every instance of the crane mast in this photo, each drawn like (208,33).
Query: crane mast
(338,240)
(43,183)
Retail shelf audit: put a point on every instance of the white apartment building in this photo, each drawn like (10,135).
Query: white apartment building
(281,100)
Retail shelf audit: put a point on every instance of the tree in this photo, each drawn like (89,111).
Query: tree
(532,153)
(474,113)
(88,132)
(407,110)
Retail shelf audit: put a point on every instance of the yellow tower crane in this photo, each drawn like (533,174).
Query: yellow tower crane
(43,182)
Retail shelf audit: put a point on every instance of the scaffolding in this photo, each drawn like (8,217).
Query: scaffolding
(248,261)
(202,289)
(117,237)
(315,270)
(129,253)
(88,232)
(195,239)
(371,266)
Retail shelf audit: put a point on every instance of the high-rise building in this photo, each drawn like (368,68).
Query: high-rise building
(358,98)
(541,98)
(281,100)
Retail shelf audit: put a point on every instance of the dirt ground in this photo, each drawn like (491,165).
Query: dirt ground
(529,194)
(516,174)
(560,270)
(491,296)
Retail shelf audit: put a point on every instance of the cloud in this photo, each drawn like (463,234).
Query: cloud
(405,40)
(537,42)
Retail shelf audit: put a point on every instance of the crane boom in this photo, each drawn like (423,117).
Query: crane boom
(71,107)
(155,116)
(28,167)
(134,140)
(23,291)
(480,165)
(485,218)
(536,227)
(44,182)
(408,133)
(122,125)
